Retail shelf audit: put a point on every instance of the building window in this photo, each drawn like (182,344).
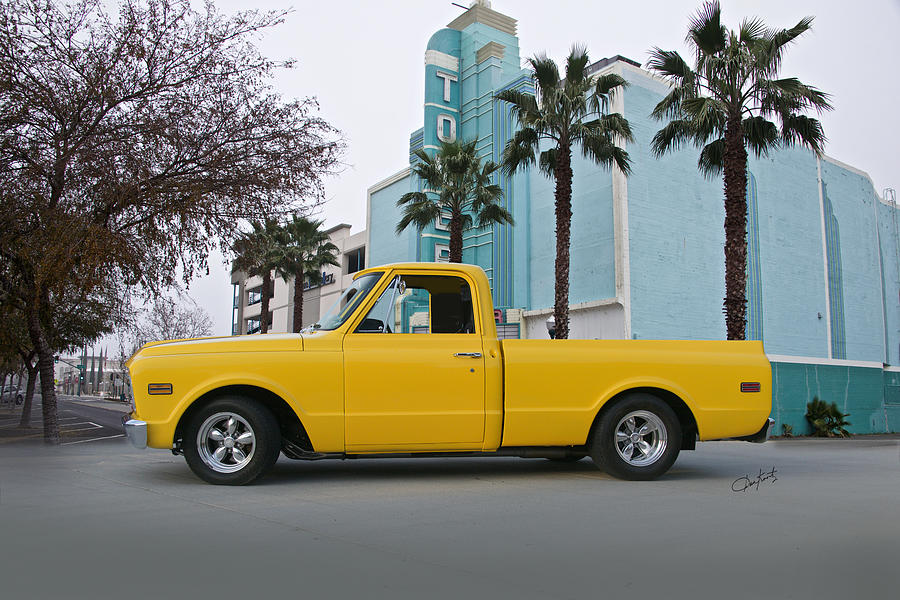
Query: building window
(355,260)
(441,253)
(442,222)
(254,296)
(253,325)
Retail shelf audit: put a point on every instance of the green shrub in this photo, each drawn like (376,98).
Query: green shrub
(826,419)
(787,430)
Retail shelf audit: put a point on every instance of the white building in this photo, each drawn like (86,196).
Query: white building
(316,299)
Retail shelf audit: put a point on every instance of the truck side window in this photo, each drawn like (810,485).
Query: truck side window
(422,304)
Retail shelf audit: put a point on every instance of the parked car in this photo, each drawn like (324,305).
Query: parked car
(11,392)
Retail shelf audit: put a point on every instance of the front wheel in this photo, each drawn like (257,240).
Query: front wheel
(638,438)
(231,441)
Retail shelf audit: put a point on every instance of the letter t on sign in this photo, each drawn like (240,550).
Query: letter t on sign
(447,77)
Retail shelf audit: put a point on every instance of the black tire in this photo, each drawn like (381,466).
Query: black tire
(652,453)
(230,461)
(19,400)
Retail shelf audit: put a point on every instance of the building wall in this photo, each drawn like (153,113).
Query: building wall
(675,230)
(888,234)
(647,250)
(382,215)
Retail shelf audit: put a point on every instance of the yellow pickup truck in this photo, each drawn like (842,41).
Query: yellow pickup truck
(407,363)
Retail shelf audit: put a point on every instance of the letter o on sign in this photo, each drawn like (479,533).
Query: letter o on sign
(445,118)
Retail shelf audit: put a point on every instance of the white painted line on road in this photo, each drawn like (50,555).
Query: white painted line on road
(91,423)
(15,422)
(109,437)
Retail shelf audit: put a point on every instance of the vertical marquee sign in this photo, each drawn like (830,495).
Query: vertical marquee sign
(442,91)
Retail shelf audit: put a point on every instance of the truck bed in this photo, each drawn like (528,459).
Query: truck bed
(554,388)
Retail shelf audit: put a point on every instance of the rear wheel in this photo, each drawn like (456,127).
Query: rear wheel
(232,441)
(638,438)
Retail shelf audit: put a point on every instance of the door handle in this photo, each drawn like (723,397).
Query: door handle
(468,354)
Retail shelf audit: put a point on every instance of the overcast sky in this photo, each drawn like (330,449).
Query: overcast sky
(364,61)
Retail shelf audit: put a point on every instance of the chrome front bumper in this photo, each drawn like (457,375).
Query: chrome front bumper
(135,431)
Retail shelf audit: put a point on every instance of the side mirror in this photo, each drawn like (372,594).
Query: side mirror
(370,326)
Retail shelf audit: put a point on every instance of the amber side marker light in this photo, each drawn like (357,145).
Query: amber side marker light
(159,389)
(750,386)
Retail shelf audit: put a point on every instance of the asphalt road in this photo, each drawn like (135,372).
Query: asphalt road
(103,520)
(81,420)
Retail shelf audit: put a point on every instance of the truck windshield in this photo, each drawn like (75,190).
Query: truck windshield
(347,303)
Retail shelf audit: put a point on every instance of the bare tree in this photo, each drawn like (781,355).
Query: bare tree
(165,319)
(131,147)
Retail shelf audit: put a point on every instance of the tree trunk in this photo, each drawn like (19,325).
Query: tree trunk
(264,305)
(298,303)
(735,163)
(45,366)
(456,241)
(25,420)
(563,174)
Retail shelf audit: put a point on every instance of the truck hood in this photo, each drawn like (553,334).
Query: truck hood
(270,342)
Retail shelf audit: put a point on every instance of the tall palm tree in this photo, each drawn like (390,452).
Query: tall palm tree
(723,105)
(304,251)
(257,253)
(568,112)
(456,181)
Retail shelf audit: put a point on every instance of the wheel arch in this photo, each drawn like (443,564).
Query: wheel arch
(289,423)
(685,416)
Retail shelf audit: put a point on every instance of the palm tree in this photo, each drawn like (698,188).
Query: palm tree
(257,254)
(567,112)
(305,250)
(456,181)
(723,105)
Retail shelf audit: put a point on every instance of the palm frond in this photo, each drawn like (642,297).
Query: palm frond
(751,30)
(707,115)
(546,74)
(770,50)
(520,150)
(523,106)
(672,136)
(576,64)
(712,159)
(601,150)
(547,162)
(606,87)
(789,95)
(705,30)
(807,131)
(611,125)
(494,213)
(420,214)
(412,197)
(760,135)
(670,65)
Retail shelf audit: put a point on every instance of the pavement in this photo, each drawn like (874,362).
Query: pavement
(786,519)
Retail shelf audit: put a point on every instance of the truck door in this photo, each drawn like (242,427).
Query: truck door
(414,369)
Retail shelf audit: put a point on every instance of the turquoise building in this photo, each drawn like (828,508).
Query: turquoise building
(646,255)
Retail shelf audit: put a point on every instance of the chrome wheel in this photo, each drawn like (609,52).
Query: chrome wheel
(641,438)
(226,442)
